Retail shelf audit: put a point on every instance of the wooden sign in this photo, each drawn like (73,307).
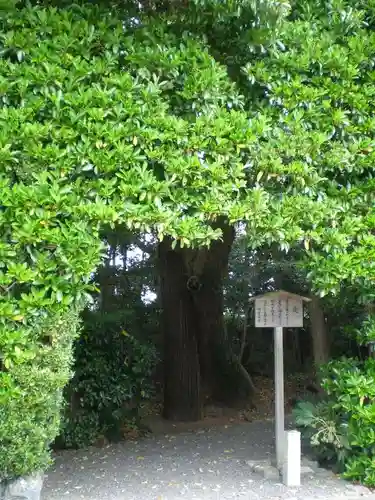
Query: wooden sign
(279,309)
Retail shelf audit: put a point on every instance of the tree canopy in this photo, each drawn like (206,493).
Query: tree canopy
(321,73)
(182,120)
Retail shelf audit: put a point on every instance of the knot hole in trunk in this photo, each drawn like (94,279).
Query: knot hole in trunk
(193,284)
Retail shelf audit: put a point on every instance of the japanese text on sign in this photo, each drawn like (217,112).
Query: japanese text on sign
(279,311)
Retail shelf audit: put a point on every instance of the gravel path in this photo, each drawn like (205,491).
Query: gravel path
(210,464)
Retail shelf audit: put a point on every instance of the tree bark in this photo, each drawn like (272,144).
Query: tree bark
(182,394)
(224,378)
(209,305)
(319,333)
(198,356)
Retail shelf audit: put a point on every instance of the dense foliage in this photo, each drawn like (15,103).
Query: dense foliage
(320,75)
(82,143)
(114,357)
(341,428)
(36,370)
(112,378)
(156,125)
(76,134)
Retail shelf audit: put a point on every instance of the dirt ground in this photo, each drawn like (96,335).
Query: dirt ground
(215,415)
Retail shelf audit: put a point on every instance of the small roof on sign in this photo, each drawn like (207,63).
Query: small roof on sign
(280,293)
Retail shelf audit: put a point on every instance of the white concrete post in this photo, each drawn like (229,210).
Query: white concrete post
(292,460)
(279,396)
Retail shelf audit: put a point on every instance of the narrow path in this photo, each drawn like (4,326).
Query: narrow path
(205,464)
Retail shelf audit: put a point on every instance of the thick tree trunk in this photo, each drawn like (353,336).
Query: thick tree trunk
(224,377)
(209,304)
(182,395)
(198,354)
(319,333)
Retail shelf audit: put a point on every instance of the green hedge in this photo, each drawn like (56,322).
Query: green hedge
(31,395)
(47,249)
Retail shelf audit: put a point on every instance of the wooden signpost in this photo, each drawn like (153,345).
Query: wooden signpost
(280,310)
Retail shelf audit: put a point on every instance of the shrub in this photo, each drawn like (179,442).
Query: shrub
(46,254)
(31,393)
(342,427)
(112,378)
(48,246)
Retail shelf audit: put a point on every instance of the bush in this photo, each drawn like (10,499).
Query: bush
(31,394)
(47,248)
(112,378)
(342,427)
(46,254)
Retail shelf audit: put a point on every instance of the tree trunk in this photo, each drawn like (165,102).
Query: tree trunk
(224,378)
(319,333)
(182,395)
(209,304)
(198,354)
